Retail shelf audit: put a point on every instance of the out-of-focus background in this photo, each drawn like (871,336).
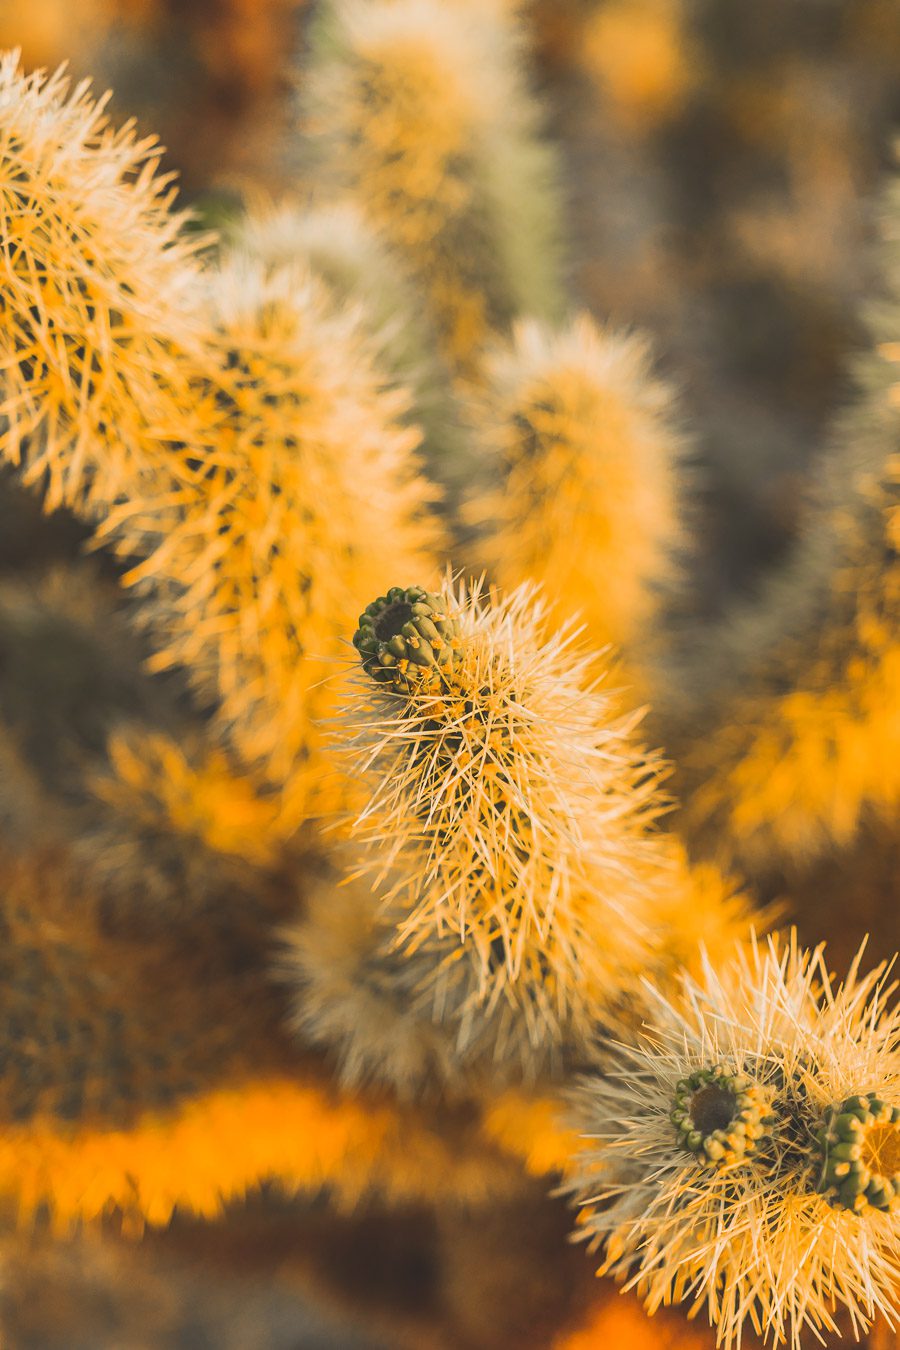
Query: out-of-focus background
(723,160)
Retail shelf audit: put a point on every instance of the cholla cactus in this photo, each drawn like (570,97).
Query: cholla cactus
(586,455)
(221,467)
(424,1017)
(745,1155)
(425,119)
(452,969)
(250,578)
(98,279)
(789,720)
(509,805)
(501,906)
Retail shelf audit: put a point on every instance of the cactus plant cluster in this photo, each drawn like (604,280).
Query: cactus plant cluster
(343,868)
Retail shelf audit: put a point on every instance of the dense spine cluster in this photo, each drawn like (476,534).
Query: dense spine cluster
(778,1233)
(512,803)
(253,574)
(507,842)
(99,289)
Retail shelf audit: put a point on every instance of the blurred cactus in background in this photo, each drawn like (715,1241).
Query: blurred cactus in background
(586,458)
(353,924)
(801,693)
(422,112)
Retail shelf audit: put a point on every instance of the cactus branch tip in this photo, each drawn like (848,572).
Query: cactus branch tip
(719,1115)
(408,640)
(860,1147)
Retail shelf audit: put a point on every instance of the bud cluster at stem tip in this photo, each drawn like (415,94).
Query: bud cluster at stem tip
(860,1143)
(719,1115)
(407,640)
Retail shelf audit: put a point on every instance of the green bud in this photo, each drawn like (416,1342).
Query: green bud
(854,1142)
(407,640)
(719,1114)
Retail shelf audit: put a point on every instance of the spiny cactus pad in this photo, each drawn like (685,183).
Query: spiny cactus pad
(860,1143)
(719,1115)
(407,639)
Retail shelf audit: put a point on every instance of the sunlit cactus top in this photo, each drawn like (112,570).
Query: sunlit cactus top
(719,1115)
(860,1143)
(772,1198)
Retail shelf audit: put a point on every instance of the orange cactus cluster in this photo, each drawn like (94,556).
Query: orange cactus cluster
(334,872)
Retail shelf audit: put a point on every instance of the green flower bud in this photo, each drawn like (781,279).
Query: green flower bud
(407,640)
(859,1144)
(719,1115)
